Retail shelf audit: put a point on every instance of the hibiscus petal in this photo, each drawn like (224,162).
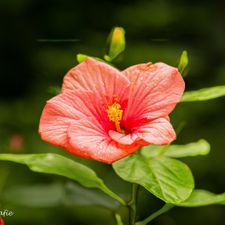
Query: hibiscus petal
(155,90)
(158,132)
(86,141)
(65,108)
(55,120)
(125,139)
(92,75)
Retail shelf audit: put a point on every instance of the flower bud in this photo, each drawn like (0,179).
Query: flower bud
(116,43)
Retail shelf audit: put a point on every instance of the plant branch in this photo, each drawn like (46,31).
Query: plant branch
(164,209)
(132,204)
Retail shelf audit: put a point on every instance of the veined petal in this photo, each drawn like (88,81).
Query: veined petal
(88,142)
(68,107)
(92,75)
(125,139)
(56,117)
(158,131)
(155,90)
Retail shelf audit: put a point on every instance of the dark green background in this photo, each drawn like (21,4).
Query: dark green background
(155,31)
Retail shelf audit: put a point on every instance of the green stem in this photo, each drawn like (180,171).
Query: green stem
(113,195)
(132,205)
(118,219)
(164,209)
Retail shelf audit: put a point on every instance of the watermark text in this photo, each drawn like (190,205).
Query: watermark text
(6,213)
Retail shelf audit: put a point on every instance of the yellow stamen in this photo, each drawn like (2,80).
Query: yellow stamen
(115,115)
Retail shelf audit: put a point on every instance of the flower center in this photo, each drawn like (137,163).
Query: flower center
(115,114)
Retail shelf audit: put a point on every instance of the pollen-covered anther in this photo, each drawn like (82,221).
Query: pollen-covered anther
(115,114)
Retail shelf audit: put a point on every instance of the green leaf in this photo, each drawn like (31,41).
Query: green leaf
(118,219)
(82,57)
(167,179)
(203,198)
(59,165)
(116,43)
(200,147)
(152,150)
(56,194)
(38,195)
(204,94)
(76,195)
(183,62)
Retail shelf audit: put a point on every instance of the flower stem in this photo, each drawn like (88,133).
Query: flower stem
(164,209)
(132,204)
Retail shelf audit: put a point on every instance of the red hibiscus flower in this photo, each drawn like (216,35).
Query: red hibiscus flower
(105,114)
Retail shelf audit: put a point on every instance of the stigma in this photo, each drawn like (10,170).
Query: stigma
(115,114)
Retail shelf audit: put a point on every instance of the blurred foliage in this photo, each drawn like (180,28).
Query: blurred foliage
(39,44)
